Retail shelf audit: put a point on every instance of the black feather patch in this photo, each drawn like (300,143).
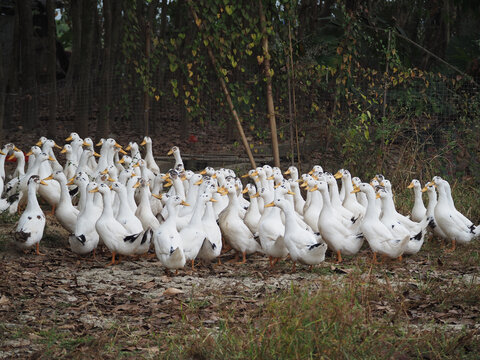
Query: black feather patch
(73,191)
(353,219)
(317,234)
(314,246)
(21,236)
(145,236)
(417,237)
(213,246)
(81,238)
(131,238)
(472,228)
(171,250)
(432,223)
(12,198)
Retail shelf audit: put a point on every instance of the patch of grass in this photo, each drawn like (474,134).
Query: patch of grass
(333,322)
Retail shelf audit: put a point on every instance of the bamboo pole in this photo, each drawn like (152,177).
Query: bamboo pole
(268,75)
(292,68)
(146,96)
(225,90)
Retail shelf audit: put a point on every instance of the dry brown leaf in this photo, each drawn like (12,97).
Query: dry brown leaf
(172,292)
(4,300)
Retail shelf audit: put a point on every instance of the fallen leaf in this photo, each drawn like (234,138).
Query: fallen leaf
(4,300)
(172,292)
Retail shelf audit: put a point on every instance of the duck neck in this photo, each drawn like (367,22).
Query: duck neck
(388,207)
(371,211)
(82,201)
(64,194)
(432,202)
(107,205)
(32,197)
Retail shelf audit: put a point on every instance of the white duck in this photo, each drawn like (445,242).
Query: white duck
(376,233)
(432,202)
(85,237)
(234,230)
(130,222)
(271,229)
(167,240)
(193,235)
(65,212)
(178,158)
(151,164)
(301,244)
(115,237)
(253,215)
(389,218)
(418,211)
(212,246)
(447,217)
(144,210)
(341,235)
(29,230)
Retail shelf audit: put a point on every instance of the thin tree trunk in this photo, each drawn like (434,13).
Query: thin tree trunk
(3,89)
(52,69)
(82,98)
(268,75)
(75,58)
(103,121)
(146,96)
(29,81)
(225,91)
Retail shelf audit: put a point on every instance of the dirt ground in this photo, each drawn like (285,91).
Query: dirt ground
(59,304)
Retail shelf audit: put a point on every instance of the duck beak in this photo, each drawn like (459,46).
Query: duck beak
(431,183)
(94,190)
(110,179)
(286,172)
(68,138)
(15,148)
(310,172)
(50,177)
(184,203)
(424,189)
(255,173)
(70,182)
(338,175)
(85,144)
(100,143)
(410,186)
(63,151)
(11,157)
(245,176)
(43,182)
(270,204)
(159,196)
(2,153)
(136,185)
(313,188)
(58,147)
(214,176)
(213,200)
(51,158)
(104,172)
(377,196)
(290,192)
(96,154)
(256,195)
(270,178)
(118,145)
(203,172)
(121,161)
(244,191)
(277,186)
(168,184)
(123,152)
(355,190)
(170,152)
(199,182)
(39,143)
(143,142)
(27,154)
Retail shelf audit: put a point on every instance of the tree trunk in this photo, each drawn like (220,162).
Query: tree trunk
(82,94)
(268,75)
(52,69)
(103,121)
(29,81)
(3,89)
(75,58)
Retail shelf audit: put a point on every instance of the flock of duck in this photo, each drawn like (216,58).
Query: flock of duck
(125,203)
